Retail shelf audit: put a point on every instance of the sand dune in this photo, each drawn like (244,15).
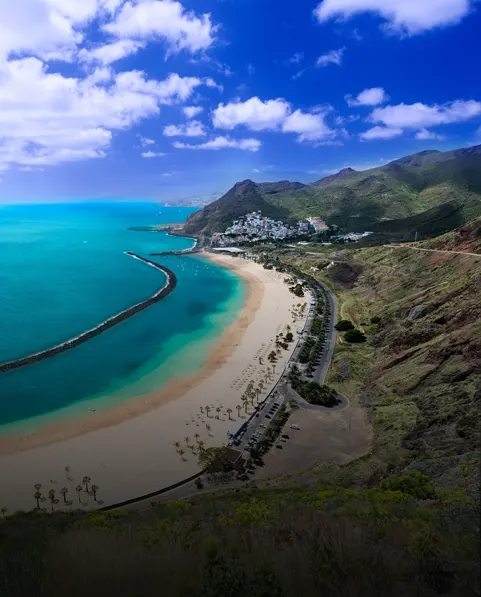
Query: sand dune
(129,450)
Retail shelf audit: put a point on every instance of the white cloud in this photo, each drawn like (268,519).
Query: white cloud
(164,19)
(381,132)
(309,127)
(273,115)
(191,111)
(109,53)
(254,113)
(194,128)
(48,119)
(296,58)
(298,75)
(332,57)
(144,141)
(50,29)
(425,135)
(369,97)
(401,16)
(152,154)
(223,143)
(418,115)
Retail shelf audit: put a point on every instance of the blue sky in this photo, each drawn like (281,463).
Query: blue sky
(158,99)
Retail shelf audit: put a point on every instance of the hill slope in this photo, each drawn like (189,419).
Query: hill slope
(381,199)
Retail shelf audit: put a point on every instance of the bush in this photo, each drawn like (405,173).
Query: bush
(414,483)
(375,319)
(355,336)
(343,325)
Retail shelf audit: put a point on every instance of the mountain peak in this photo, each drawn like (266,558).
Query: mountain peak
(344,173)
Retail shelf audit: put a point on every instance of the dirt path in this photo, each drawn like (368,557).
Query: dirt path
(432,250)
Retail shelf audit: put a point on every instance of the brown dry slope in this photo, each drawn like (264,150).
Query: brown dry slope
(422,374)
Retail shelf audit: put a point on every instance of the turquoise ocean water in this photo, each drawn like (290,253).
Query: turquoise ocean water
(63,270)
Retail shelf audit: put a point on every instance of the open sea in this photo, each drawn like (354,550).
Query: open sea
(63,270)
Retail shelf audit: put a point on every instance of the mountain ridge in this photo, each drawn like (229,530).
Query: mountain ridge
(402,189)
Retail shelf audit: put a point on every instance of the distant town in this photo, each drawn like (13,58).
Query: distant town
(254,227)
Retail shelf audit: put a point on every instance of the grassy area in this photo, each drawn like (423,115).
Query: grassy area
(329,540)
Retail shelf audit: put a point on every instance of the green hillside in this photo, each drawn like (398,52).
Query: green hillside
(381,199)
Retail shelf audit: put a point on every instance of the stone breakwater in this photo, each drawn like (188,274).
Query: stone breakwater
(168,287)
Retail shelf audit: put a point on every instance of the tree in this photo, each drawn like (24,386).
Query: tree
(238,407)
(181,453)
(37,496)
(343,325)
(63,493)
(229,410)
(289,337)
(207,409)
(354,336)
(177,445)
(67,472)
(79,489)
(94,491)
(86,480)
(4,511)
(375,319)
(52,498)
(217,410)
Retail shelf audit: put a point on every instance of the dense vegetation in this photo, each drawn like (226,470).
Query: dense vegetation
(405,537)
(430,192)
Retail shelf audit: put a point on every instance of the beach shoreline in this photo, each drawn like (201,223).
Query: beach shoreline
(136,406)
(148,443)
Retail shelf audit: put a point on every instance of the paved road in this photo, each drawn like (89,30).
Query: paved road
(432,250)
(326,357)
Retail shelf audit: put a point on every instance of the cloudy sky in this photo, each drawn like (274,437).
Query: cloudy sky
(161,99)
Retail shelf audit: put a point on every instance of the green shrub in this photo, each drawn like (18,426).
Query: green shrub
(413,483)
(343,325)
(354,336)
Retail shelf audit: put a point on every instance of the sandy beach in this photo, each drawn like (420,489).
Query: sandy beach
(130,450)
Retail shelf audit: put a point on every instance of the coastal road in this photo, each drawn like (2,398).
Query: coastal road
(432,250)
(326,357)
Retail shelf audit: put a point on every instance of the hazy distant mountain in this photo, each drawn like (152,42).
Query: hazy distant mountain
(442,189)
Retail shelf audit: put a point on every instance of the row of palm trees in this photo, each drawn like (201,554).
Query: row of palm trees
(84,487)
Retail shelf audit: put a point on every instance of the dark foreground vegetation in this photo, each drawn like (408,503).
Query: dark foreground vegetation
(405,537)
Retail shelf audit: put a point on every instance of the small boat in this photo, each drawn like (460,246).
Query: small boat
(92,410)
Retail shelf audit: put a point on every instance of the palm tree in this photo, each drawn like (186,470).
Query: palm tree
(197,437)
(86,480)
(64,492)
(177,445)
(229,410)
(52,498)
(217,410)
(78,489)
(37,496)
(208,427)
(187,440)
(202,409)
(238,407)
(201,445)
(4,511)
(182,452)
(207,409)
(94,489)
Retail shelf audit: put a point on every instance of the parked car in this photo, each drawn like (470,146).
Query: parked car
(263,426)
(294,426)
(279,446)
(268,416)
